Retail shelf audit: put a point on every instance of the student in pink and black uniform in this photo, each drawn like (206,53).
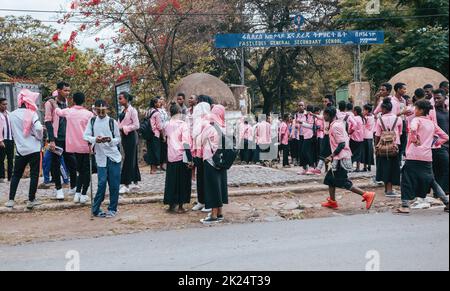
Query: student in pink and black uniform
(341,159)
(307,151)
(441,152)
(216,180)
(417,174)
(368,148)
(388,169)
(318,135)
(284,139)
(263,136)
(299,118)
(154,145)
(245,138)
(357,137)
(179,168)
(129,125)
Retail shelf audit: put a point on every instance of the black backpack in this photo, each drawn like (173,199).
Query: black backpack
(227,153)
(146,129)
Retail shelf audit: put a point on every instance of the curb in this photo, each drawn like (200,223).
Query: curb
(158,198)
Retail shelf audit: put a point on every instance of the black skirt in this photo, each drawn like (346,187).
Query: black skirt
(130,167)
(153,156)
(417,179)
(368,152)
(325,147)
(307,153)
(216,186)
(199,164)
(357,150)
(338,178)
(164,153)
(388,170)
(178,184)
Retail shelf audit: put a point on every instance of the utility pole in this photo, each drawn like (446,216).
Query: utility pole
(357,68)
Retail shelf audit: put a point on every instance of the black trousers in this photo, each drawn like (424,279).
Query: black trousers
(440,167)
(8,153)
(71,165)
(245,152)
(34,160)
(285,149)
(130,168)
(84,175)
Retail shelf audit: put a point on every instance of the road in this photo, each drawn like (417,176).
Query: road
(390,242)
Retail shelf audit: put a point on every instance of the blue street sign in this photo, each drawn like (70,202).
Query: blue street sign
(305,38)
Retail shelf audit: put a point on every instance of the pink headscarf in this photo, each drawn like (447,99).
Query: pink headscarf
(218,115)
(29,99)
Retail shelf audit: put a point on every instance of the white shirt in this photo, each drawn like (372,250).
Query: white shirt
(7,131)
(103,151)
(32,143)
(164,117)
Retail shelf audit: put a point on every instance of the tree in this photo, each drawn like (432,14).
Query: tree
(162,38)
(30,52)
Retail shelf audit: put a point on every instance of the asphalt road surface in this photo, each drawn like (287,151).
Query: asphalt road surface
(364,242)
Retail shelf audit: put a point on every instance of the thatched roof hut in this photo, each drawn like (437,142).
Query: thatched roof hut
(205,84)
(417,77)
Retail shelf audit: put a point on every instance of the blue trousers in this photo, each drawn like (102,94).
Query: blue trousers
(108,175)
(47,166)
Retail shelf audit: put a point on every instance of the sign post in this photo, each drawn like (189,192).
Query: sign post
(118,88)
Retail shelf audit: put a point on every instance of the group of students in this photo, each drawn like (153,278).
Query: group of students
(411,131)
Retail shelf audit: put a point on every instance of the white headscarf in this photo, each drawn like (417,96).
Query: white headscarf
(200,111)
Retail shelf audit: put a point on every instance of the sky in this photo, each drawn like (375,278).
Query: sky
(83,40)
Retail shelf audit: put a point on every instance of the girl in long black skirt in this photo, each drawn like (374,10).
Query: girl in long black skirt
(154,144)
(216,180)
(368,149)
(388,169)
(417,174)
(129,125)
(357,137)
(180,162)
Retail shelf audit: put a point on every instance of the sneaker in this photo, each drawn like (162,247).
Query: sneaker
(432,201)
(101,214)
(73,191)
(205,210)
(32,204)
(124,190)
(76,198)
(135,187)
(310,173)
(45,186)
(111,214)
(316,172)
(219,217)
(84,199)
(60,194)
(330,204)
(369,198)
(198,207)
(209,220)
(420,204)
(10,204)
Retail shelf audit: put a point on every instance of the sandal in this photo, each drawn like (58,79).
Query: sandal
(403,210)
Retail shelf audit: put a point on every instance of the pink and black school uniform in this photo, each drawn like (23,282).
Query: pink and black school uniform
(215,180)
(388,169)
(293,142)
(154,144)
(441,152)
(357,139)
(368,147)
(263,138)
(417,174)
(129,126)
(307,142)
(299,119)
(320,133)
(337,176)
(179,177)
(245,138)
(284,141)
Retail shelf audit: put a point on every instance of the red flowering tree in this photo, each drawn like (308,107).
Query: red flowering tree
(161,38)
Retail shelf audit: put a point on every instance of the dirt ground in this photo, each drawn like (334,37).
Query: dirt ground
(40,226)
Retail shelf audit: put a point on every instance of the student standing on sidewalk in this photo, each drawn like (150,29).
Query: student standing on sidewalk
(78,119)
(129,125)
(6,141)
(28,133)
(56,130)
(105,139)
